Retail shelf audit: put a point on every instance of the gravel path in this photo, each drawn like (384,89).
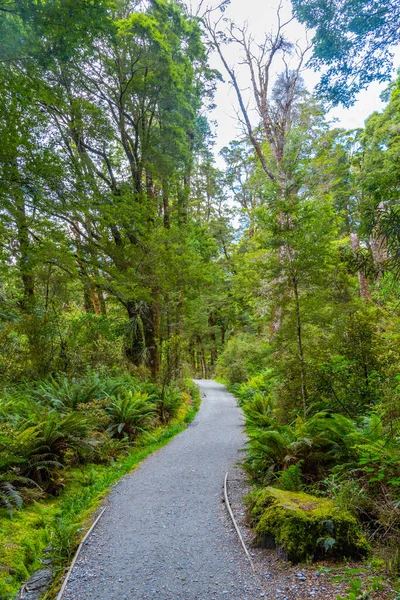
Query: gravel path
(166,535)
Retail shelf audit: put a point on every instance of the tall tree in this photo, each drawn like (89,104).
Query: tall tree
(121,124)
(354,42)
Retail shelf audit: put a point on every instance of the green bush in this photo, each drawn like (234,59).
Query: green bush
(318,443)
(59,422)
(130,413)
(63,393)
(291,479)
(260,411)
(243,357)
(169,403)
(15,485)
(354,462)
(50,442)
(263,383)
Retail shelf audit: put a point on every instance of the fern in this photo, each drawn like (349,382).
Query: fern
(259,411)
(130,413)
(62,393)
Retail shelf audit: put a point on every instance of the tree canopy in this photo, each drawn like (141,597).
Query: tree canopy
(353,43)
(131,260)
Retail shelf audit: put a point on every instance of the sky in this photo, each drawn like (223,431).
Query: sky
(261,17)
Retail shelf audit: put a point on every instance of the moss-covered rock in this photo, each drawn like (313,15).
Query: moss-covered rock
(23,537)
(305,527)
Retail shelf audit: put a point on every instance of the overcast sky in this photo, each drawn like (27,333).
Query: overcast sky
(261,17)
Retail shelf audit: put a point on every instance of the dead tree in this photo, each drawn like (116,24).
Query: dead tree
(275,102)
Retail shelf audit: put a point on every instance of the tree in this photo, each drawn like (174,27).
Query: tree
(288,120)
(354,39)
(380,143)
(244,180)
(110,121)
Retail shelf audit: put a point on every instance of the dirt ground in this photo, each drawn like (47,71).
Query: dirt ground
(325,580)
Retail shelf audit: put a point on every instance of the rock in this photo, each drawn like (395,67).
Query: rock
(301,576)
(305,527)
(37,584)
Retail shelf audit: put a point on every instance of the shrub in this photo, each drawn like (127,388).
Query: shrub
(107,449)
(243,357)
(169,402)
(14,486)
(262,383)
(130,413)
(63,393)
(319,443)
(50,442)
(63,421)
(291,479)
(259,411)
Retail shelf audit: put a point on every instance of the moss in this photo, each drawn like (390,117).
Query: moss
(24,537)
(61,520)
(305,527)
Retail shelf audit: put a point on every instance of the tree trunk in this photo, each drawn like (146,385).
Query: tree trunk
(203,363)
(213,339)
(223,334)
(183,198)
(151,335)
(300,345)
(379,248)
(25,257)
(165,197)
(362,280)
(90,297)
(102,302)
(134,346)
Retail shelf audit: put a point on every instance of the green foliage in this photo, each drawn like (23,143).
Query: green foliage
(106,245)
(121,260)
(353,592)
(55,424)
(262,383)
(130,413)
(65,459)
(63,393)
(354,463)
(26,536)
(348,494)
(170,403)
(353,39)
(243,357)
(318,443)
(315,286)
(290,479)
(51,442)
(259,411)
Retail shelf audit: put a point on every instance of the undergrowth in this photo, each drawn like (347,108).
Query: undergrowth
(354,460)
(63,484)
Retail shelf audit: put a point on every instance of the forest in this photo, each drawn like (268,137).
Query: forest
(131,262)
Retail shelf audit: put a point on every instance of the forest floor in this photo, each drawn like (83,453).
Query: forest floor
(166,534)
(323,580)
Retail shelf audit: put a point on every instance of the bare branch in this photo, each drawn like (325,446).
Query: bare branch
(243,108)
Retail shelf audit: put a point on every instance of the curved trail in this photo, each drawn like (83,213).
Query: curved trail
(166,535)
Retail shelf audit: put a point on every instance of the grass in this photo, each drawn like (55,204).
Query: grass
(63,521)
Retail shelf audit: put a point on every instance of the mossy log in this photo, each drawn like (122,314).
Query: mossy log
(304,527)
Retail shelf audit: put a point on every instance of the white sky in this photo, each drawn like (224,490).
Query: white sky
(261,17)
